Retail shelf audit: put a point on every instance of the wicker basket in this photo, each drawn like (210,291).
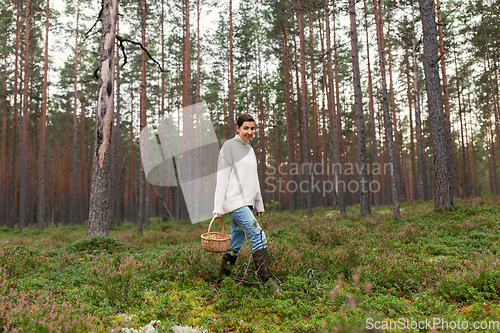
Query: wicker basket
(215,241)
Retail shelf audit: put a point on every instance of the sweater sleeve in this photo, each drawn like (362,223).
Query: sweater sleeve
(259,203)
(223,173)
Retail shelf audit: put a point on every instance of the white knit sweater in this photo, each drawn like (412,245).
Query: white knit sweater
(237,178)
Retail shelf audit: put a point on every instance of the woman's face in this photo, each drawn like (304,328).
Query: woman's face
(246,130)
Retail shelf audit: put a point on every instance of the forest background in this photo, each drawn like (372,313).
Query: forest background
(291,64)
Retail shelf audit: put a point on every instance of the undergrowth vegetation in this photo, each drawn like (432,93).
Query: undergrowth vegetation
(336,272)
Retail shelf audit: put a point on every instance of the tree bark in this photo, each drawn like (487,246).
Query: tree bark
(118,142)
(262,136)
(443,195)
(493,174)
(315,126)
(413,177)
(304,129)
(43,137)
(422,192)
(338,113)
(298,112)
(162,190)
(186,91)
(398,145)
(231,127)
(473,157)
(84,193)
(446,97)
(335,131)
(74,169)
(496,102)
(289,120)
(101,196)
(131,171)
(465,175)
(23,162)
(143,122)
(373,136)
(3,158)
(364,197)
(387,117)
(12,215)
(324,89)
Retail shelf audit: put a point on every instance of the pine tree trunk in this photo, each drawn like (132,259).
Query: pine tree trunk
(186,59)
(304,129)
(413,178)
(496,102)
(422,192)
(324,135)
(446,97)
(364,197)
(474,179)
(373,137)
(186,96)
(118,143)
(493,174)
(398,145)
(338,114)
(198,50)
(469,153)
(23,162)
(335,130)
(289,120)
(143,105)
(3,158)
(43,137)
(74,169)
(231,73)
(491,165)
(12,215)
(315,130)
(131,171)
(262,136)
(297,118)
(465,175)
(101,196)
(65,200)
(443,195)
(84,196)
(387,117)
(162,190)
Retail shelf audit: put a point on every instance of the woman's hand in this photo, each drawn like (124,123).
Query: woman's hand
(216,215)
(259,214)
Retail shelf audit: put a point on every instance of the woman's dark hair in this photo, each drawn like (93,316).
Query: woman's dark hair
(244,117)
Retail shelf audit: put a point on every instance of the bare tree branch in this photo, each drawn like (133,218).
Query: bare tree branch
(95,23)
(120,44)
(93,77)
(122,39)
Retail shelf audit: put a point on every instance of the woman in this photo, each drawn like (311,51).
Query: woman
(238,193)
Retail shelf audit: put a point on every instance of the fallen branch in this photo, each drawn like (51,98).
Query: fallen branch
(310,274)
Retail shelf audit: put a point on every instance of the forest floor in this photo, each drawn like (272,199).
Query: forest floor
(338,274)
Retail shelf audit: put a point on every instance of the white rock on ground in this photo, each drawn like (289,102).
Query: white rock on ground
(150,328)
(187,329)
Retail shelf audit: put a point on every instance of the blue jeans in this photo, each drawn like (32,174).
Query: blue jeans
(245,224)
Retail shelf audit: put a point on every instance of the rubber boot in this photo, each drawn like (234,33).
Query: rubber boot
(225,266)
(261,261)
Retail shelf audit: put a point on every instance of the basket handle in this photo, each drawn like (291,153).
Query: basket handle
(213,219)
